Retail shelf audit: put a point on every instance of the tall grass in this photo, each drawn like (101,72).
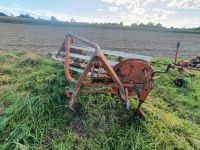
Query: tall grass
(34,116)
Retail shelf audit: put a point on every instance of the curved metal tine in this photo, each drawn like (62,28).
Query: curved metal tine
(90,43)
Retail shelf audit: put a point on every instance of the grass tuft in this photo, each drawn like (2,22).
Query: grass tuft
(33,113)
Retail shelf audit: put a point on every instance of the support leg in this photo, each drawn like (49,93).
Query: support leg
(139,112)
(127,102)
(76,107)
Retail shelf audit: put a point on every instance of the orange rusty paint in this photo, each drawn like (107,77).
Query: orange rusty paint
(128,78)
(134,70)
(67,59)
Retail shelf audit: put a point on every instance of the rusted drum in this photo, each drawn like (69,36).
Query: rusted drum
(136,72)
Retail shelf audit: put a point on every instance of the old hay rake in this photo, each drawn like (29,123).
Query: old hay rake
(122,73)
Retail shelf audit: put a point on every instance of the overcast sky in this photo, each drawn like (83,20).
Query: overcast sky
(177,13)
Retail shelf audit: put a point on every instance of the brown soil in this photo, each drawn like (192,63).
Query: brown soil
(48,38)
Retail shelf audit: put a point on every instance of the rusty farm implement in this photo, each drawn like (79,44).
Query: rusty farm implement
(122,73)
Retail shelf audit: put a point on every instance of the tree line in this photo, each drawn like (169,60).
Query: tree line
(27,18)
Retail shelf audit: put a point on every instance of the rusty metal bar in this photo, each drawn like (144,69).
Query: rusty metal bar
(177,50)
(115,53)
(67,58)
(130,77)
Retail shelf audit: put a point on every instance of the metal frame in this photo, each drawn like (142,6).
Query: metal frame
(181,66)
(116,85)
(98,57)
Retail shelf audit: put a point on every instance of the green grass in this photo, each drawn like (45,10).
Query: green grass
(33,113)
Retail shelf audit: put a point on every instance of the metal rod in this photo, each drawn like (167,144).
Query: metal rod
(177,50)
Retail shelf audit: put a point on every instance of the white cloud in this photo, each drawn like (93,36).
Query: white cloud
(99,9)
(128,11)
(134,11)
(120,2)
(184,4)
(155,15)
(35,13)
(128,4)
(184,22)
(112,8)
(162,13)
(148,1)
(44,14)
